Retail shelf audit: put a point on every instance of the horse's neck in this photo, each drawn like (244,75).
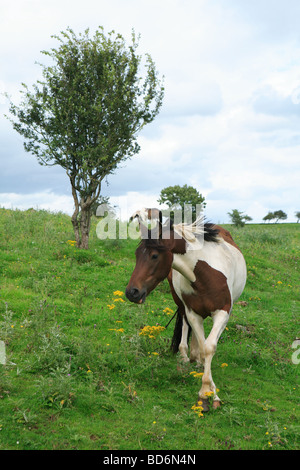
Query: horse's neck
(182,264)
(185,258)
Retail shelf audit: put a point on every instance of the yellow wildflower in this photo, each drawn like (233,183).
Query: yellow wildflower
(111,306)
(198,408)
(197,375)
(224,364)
(199,403)
(151,331)
(120,330)
(118,292)
(119,300)
(168,311)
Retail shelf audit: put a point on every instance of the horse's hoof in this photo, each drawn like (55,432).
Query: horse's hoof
(204,404)
(216,404)
(184,359)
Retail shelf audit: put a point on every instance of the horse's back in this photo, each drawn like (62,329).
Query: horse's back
(239,273)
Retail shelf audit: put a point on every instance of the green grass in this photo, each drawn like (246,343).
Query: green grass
(80,376)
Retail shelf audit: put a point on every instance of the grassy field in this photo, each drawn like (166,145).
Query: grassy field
(80,375)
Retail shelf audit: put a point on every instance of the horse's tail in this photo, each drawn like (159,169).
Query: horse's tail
(177,334)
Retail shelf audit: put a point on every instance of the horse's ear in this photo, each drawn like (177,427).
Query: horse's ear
(144,216)
(144,230)
(156,231)
(160,224)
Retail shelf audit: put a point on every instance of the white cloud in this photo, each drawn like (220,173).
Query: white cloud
(43,200)
(229,124)
(127,204)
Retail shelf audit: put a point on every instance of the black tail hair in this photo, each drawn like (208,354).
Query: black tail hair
(178,332)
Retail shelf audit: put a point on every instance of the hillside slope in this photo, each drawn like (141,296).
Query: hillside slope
(82,373)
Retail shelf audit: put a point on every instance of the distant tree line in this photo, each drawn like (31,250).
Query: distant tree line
(178,198)
(239,219)
(277,215)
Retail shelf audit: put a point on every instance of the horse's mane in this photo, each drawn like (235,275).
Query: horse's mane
(198,228)
(188,232)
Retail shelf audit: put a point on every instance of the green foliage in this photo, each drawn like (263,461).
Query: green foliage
(238,218)
(269,216)
(278,215)
(86,369)
(177,197)
(86,111)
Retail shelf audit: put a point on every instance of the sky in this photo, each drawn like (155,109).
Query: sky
(230,121)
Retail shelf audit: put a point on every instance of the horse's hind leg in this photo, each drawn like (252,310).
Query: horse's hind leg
(198,338)
(183,346)
(195,355)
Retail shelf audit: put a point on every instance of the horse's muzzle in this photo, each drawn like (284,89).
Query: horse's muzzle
(135,295)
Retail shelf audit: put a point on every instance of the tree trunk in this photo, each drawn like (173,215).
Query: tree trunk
(74,219)
(81,218)
(85,225)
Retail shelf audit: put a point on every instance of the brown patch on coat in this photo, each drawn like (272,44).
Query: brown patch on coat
(211,291)
(226,235)
(179,246)
(154,214)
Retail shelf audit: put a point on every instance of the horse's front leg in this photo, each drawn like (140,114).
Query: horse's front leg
(220,319)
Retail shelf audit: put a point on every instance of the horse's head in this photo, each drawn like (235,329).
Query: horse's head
(153,264)
(154,255)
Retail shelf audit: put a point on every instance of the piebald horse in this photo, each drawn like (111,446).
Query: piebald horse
(206,272)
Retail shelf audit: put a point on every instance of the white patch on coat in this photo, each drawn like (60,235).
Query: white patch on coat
(184,265)
(221,256)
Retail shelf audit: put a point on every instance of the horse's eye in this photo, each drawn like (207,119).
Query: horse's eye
(154,256)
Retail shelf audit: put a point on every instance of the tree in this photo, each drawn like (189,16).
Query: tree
(279,215)
(297,214)
(238,218)
(176,197)
(100,201)
(269,216)
(85,113)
